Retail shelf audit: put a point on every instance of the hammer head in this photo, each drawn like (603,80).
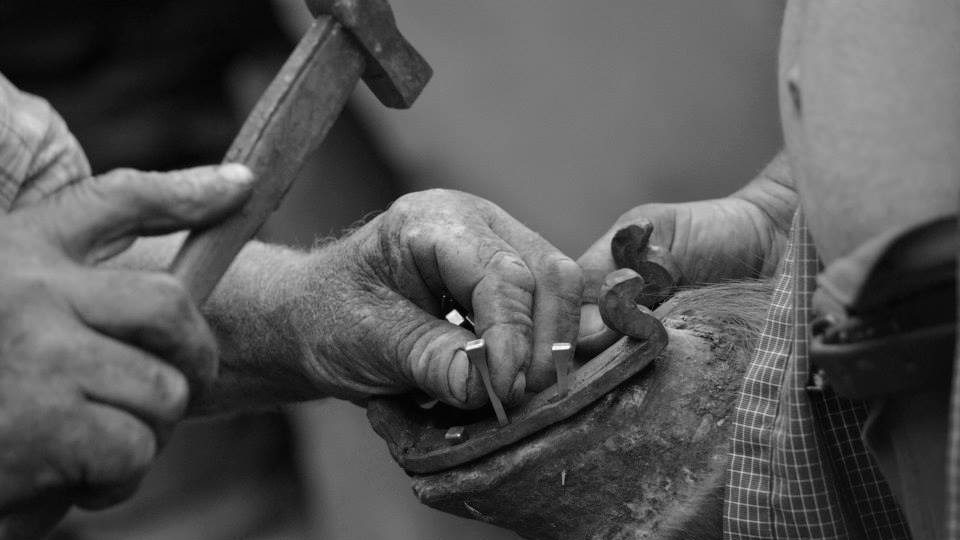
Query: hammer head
(395,71)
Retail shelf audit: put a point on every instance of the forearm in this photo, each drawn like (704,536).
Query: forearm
(773,199)
(266,314)
(739,236)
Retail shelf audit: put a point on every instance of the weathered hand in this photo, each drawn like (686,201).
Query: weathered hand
(382,286)
(598,261)
(97,364)
(709,241)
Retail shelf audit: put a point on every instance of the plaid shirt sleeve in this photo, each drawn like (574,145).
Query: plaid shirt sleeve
(798,468)
(38,154)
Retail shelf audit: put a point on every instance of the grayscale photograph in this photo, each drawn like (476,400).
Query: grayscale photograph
(479,270)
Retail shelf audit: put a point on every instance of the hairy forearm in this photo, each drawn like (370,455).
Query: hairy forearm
(262,321)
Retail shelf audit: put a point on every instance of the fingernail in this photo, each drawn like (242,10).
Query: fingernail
(235,172)
(519,388)
(458,375)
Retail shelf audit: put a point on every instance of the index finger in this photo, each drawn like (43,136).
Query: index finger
(487,276)
(107,209)
(524,293)
(558,293)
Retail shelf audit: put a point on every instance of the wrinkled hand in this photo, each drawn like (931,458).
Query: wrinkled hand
(709,241)
(384,332)
(97,364)
(597,262)
(740,236)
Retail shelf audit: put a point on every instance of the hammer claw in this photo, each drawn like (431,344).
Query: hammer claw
(396,73)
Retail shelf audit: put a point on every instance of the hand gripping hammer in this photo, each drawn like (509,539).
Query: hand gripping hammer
(350,39)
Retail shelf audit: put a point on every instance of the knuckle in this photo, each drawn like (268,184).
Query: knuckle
(132,455)
(426,349)
(46,346)
(173,316)
(171,393)
(119,187)
(118,183)
(509,267)
(186,195)
(415,233)
(115,179)
(181,194)
(181,331)
(420,201)
(564,275)
(205,362)
(171,301)
(115,449)
(407,204)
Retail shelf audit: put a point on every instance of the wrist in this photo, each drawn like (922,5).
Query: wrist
(723,239)
(343,295)
(260,313)
(773,196)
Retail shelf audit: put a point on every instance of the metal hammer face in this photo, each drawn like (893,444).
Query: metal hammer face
(395,72)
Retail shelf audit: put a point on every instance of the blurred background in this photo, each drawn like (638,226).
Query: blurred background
(564,113)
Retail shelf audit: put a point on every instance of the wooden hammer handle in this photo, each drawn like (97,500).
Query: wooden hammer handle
(290,120)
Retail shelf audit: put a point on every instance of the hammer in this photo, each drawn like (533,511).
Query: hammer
(350,39)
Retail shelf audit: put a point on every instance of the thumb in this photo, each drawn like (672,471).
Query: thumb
(594,336)
(598,261)
(395,344)
(100,216)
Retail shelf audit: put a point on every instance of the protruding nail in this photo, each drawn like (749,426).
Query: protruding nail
(455,318)
(477,353)
(456,435)
(562,353)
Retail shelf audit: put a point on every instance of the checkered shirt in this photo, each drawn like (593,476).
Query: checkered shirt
(38,155)
(798,468)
